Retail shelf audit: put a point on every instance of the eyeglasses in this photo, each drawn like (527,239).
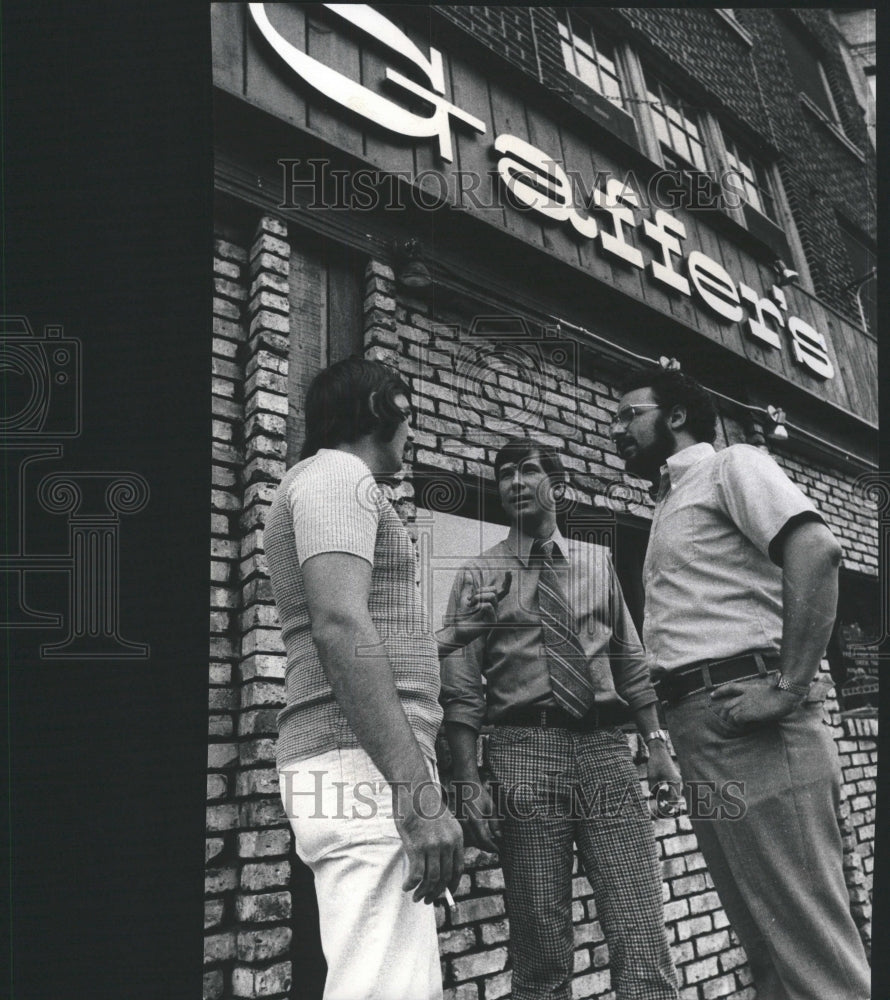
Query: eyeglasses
(630,412)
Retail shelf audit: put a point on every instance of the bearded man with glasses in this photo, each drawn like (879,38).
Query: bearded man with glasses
(741,578)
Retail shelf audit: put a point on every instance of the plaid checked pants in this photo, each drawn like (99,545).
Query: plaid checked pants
(558,788)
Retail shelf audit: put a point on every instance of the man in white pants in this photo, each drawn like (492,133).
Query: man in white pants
(356,737)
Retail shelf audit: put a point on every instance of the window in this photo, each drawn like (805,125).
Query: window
(677,127)
(752,178)
(808,72)
(862,288)
(853,650)
(728,15)
(590,57)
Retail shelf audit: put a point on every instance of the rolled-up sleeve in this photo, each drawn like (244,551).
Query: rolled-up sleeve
(630,664)
(463,693)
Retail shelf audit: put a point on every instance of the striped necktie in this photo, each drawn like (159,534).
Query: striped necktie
(568,664)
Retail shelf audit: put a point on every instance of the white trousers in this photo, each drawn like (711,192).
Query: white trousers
(378,943)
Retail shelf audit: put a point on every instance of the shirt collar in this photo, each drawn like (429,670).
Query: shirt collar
(521,545)
(680,463)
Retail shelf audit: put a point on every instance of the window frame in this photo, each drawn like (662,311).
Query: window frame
(681,161)
(728,15)
(741,152)
(567,21)
(851,233)
(798,43)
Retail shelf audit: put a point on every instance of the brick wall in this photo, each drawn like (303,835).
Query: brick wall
(461,421)
(221,876)
(842,500)
(709,959)
(248,899)
(464,411)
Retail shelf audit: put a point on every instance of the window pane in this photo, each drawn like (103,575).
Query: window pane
(806,69)
(660,124)
(675,125)
(607,65)
(674,115)
(768,205)
(678,142)
(753,177)
(568,58)
(698,155)
(585,48)
(612,89)
(862,260)
(753,197)
(587,72)
(590,58)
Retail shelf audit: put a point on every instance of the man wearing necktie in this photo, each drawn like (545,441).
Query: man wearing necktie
(559,668)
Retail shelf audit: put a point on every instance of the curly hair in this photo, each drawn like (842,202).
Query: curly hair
(674,388)
(338,404)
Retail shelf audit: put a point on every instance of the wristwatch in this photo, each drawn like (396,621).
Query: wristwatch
(783,684)
(656,734)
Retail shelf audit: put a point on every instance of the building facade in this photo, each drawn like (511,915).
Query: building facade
(515,207)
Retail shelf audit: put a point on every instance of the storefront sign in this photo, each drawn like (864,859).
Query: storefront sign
(537,182)
(365,102)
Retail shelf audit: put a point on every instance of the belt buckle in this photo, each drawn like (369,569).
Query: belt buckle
(671,688)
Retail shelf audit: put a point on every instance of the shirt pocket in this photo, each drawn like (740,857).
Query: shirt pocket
(677,538)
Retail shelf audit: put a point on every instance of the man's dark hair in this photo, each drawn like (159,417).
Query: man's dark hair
(517,449)
(338,404)
(674,388)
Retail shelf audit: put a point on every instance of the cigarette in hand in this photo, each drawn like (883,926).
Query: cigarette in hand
(449,899)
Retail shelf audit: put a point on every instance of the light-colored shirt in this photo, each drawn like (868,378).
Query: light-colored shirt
(712,576)
(331,503)
(507,668)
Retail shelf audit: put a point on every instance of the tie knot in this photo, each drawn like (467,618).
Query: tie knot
(542,549)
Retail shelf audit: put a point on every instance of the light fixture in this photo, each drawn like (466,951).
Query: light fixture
(784,274)
(778,431)
(411,271)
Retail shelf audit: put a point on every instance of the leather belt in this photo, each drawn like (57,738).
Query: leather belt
(706,674)
(599,717)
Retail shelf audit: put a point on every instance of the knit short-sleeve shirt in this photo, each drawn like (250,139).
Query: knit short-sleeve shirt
(330,502)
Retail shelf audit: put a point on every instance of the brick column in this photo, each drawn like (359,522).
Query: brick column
(262,901)
(228,412)
(382,344)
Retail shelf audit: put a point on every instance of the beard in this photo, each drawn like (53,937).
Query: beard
(647,461)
